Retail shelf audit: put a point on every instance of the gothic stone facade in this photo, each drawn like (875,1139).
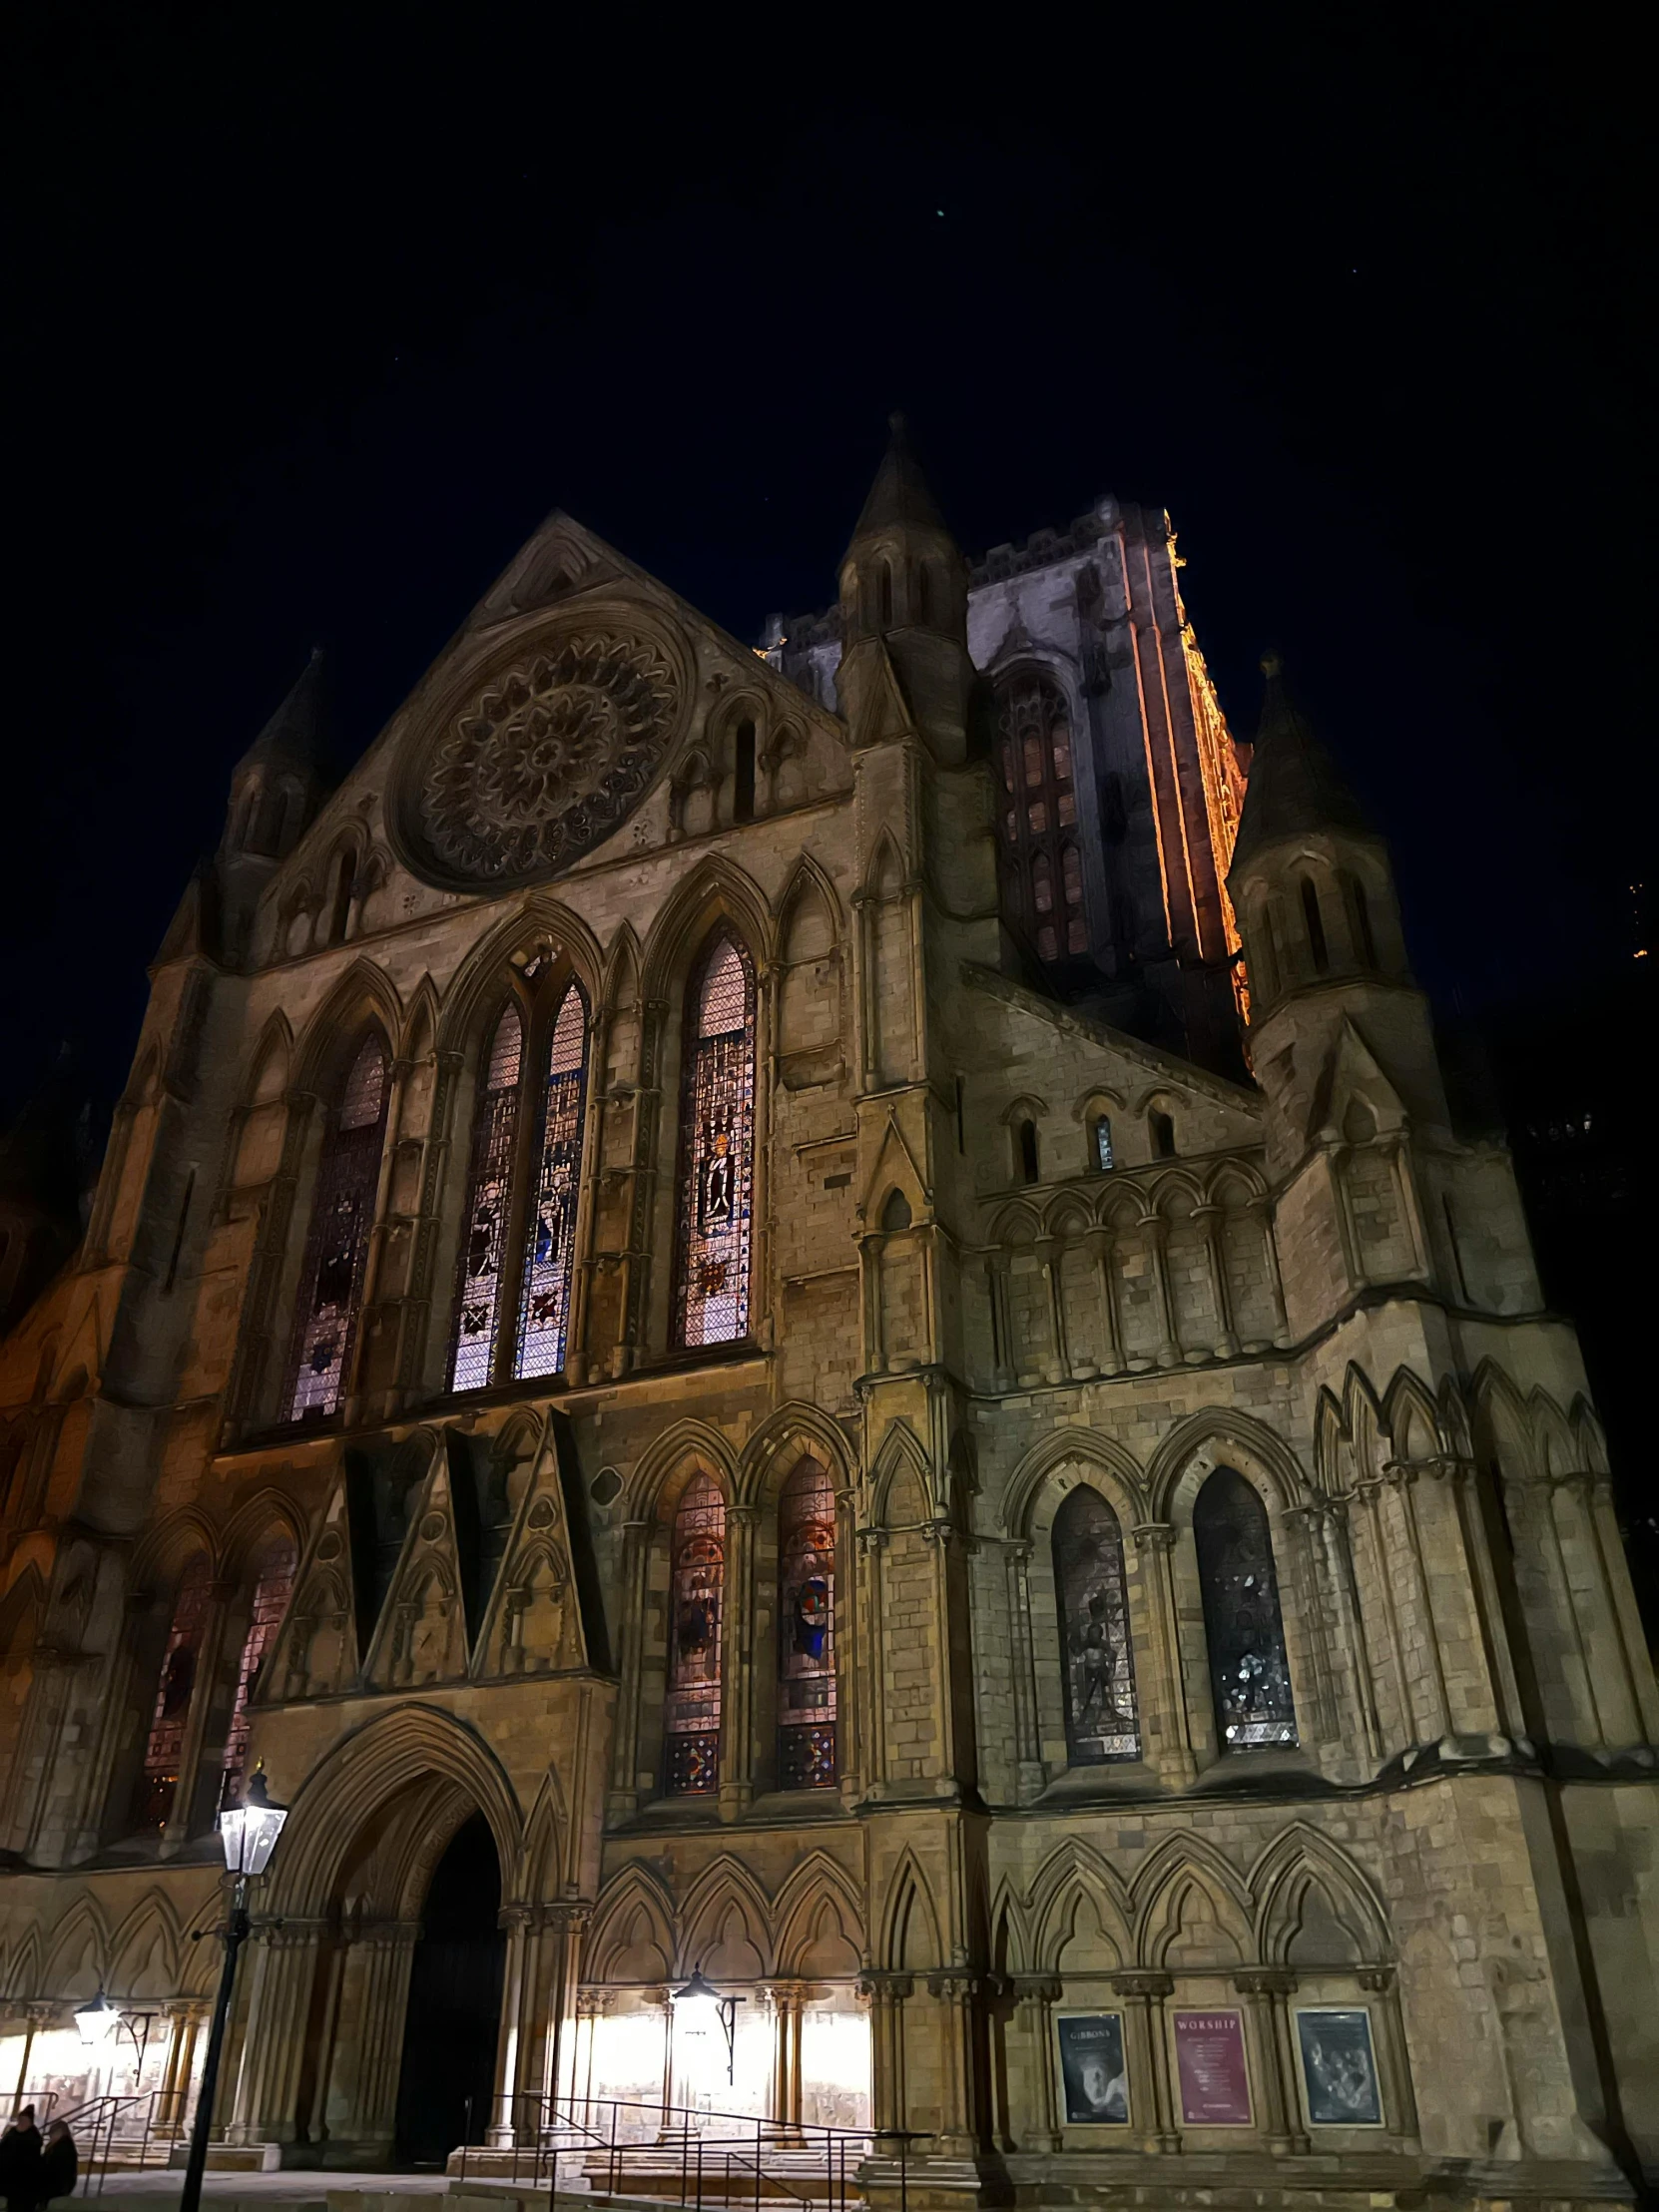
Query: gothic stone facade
(1083,1590)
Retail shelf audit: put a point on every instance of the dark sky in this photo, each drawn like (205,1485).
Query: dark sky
(308,320)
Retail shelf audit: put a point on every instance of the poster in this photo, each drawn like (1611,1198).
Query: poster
(1338,2068)
(1210,2059)
(1093,2082)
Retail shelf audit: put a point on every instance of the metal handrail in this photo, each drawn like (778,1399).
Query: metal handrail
(99,2129)
(820,2168)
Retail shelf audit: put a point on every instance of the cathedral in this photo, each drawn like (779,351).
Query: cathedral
(803,1325)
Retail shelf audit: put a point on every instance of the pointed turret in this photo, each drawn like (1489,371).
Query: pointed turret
(276,784)
(1296,789)
(904,596)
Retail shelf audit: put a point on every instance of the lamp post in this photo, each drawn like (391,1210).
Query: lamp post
(248,1832)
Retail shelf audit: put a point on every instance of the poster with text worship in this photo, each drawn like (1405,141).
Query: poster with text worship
(1210,2059)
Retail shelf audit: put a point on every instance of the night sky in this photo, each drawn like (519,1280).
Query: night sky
(309,320)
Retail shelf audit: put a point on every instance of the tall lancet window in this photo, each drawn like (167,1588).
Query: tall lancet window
(163,1748)
(273,1565)
(1102,1721)
(717,1170)
(1249,1672)
(1042,866)
(342,1213)
(489,1197)
(806,1630)
(697,1569)
(544,1307)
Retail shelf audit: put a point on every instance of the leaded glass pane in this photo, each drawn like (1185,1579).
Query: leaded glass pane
(1102,1720)
(1249,1672)
(490,1195)
(691,1718)
(163,1748)
(550,1248)
(717,1146)
(342,1213)
(806,1630)
(273,1566)
(1036,733)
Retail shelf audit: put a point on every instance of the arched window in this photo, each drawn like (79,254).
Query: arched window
(1103,1158)
(1035,753)
(273,1570)
(884,595)
(550,1252)
(1249,1672)
(346,882)
(1102,1722)
(1161,1129)
(490,1197)
(1359,907)
(1315,922)
(158,1784)
(691,1717)
(806,1630)
(1025,1140)
(342,1213)
(743,775)
(717,1171)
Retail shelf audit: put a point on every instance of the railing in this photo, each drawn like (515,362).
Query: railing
(610,2146)
(125,2132)
(42,2100)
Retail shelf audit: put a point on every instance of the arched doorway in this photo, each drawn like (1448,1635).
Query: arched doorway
(454,2010)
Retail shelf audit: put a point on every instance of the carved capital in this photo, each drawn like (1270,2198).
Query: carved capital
(885,1989)
(1264,1981)
(1376,1978)
(956,1985)
(1155,1537)
(1037,1988)
(1143,1984)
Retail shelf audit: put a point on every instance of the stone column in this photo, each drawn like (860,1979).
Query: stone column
(1369,1494)
(1393,2061)
(1148,2056)
(886,1993)
(996,1282)
(1403,1480)
(268,2084)
(738,1660)
(625,1757)
(548,2056)
(1037,2126)
(871,1674)
(1034,1773)
(1607,1665)
(383,1954)
(787,2001)
(508,2120)
(186,2015)
(1209,1220)
(957,1992)
(1104,1249)
(1048,1259)
(1157,1246)
(1265,1989)
(1177,1762)
(1261,1211)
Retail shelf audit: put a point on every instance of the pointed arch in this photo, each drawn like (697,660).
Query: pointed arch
(1123,1483)
(884,874)
(1299,1859)
(797,1426)
(163,1549)
(542,1870)
(817,1882)
(713,892)
(899,1459)
(271,1062)
(910,1927)
(365,997)
(266,1511)
(808,882)
(633,1919)
(1216,1434)
(1074,1872)
(1501,1412)
(1181,1870)
(365,1768)
(152,1923)
(714,1194)
(78,1957)
(327,1309)
(723,1888)
(685,1448)
(539,924)
(1412,1417)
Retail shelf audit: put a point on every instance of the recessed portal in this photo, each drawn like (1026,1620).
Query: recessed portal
(449,2035)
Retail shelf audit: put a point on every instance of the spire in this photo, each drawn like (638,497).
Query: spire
(1296,787)
(899,499)
(295,733)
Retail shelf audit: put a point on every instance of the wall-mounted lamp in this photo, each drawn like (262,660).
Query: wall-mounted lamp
(98,2020)
(700,2007)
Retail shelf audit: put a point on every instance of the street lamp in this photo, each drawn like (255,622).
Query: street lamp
(700,2007)
(248,1832)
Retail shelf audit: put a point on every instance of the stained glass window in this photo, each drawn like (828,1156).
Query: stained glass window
(489,1196)
(717,1147)
(1249,1672)
(550,1247)
(806,1630)
(691,1719)
(1102,1720)
(273,1566)
(1046,878)
(1103,1157)
(342,1213)
(170,1716)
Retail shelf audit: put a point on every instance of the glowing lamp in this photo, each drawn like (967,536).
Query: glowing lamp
(701,2009)
(97,2023)
(248,1831)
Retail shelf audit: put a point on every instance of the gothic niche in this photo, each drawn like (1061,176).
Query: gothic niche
(544,762)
